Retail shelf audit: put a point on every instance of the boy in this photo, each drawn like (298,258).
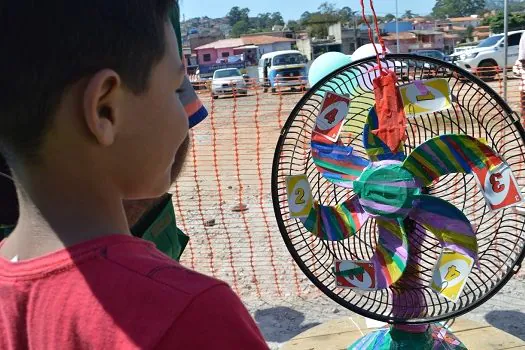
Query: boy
(90,116)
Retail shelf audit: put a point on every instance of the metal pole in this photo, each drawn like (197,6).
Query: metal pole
(397,28)
(355,30)
(506,45)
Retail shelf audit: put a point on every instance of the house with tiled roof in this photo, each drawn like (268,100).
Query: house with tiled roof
(415,40)
(250,47)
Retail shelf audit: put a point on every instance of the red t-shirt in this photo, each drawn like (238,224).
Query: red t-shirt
(118,292)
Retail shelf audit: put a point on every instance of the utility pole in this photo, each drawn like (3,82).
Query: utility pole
(506,44)
(355,29)
(397,27)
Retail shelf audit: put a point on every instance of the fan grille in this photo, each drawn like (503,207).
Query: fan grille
(477,112)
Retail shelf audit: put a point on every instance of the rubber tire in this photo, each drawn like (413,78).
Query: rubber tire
(215,97)
(265,90)
(274,90)
(489,74)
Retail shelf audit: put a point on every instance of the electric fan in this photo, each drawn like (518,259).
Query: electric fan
(404,216)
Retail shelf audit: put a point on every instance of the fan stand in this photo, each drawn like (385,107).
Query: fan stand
(409,337)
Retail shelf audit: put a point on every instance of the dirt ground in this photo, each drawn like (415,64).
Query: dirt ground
(223,201)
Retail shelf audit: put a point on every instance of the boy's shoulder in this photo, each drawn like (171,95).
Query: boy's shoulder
(142,264)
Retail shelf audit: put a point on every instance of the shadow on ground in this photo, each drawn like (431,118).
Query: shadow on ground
(511,322)
(280,324)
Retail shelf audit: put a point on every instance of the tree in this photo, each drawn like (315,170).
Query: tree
(516,21)
(346,14)
(327,8)
(239,28)
(390,17)
(408,14)
(237,14)
(277,19)
(457,8)
(294,25)
(469,34)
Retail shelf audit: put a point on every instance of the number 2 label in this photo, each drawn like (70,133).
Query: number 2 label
(300,199)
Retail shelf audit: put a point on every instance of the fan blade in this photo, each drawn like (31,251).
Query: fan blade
(447,154)
(336,162)
(336,223)
(388,262)
(447,223)
(391,255)
(376,149)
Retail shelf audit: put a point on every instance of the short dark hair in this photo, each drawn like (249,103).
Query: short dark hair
(50,45)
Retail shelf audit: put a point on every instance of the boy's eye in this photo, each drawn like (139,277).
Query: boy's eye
(179,91)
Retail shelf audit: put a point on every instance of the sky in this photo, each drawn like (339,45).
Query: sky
(292,9)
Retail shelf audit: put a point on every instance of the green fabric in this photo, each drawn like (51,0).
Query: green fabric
(175,20)
(5,230)
(159,226)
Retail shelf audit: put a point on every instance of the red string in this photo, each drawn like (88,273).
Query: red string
(371,36)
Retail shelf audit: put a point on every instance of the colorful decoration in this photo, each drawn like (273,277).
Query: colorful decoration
(436,337)
(336,223)
(390,112)
(428,96)
(375,148)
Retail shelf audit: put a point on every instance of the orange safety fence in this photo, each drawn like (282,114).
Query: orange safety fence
(223,197)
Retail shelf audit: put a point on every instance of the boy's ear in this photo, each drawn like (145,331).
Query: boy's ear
(100,107)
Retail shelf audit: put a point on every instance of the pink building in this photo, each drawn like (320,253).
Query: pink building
(251,46)
(416,40)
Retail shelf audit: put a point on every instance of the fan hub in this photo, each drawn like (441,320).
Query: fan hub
(387,190)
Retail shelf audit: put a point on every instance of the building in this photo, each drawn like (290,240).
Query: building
(197,39)
(247,48)
(404,26)
(415,40)
(481,33)
(473,21)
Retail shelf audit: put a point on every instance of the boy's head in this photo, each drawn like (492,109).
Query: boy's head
(89,88)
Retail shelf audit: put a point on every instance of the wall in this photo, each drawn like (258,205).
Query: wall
(228,50)
(390,27)
(201,40)
(281,46)
(305,46)
(404,45)
(201,53)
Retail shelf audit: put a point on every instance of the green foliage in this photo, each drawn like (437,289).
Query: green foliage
(318,22)
(409,14)
(470,33)
(496,23)
(239,28)
(457,8)
(237,14)
(389,17)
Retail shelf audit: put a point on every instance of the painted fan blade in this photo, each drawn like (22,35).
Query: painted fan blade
(391,255)
(336,223)
(336,162)
(450,226)
(376,149)
(447,154)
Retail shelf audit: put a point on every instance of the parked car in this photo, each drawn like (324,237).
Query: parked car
(228,81)
(489,56)
(433,54)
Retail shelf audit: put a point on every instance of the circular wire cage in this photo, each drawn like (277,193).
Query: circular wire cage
(478,112)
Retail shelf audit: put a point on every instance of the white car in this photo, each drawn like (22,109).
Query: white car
(228,81)
(489,56)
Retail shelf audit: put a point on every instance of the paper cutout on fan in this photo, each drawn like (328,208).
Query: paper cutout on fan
(336,162)
(390,112)
(335,223)
(451,274)
(426,96)
(300,199)
(355,275)
(499,186)
(375,148)
(330,120)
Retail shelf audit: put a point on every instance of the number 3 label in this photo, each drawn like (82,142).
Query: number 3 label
(300,199)
(499,186)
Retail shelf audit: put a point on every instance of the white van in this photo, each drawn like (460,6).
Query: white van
(490,53)
(286,68)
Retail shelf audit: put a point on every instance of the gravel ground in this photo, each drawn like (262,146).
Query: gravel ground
(229,167)
(281,320)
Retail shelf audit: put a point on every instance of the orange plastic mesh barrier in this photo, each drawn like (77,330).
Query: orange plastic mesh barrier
(223,197)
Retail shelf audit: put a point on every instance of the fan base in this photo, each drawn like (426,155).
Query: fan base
(435,338)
